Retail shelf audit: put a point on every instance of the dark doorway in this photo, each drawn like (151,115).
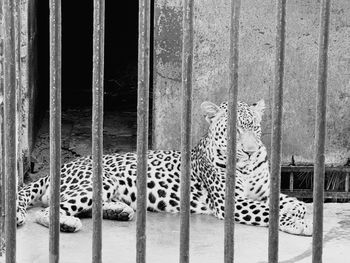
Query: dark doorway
(120,79)
(121,41)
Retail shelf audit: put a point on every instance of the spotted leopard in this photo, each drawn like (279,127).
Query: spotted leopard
(208,173)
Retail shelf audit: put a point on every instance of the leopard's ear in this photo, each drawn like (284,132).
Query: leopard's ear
(259,108)
(210,110)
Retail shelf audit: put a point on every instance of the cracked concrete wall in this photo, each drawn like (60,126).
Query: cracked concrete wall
(257,53)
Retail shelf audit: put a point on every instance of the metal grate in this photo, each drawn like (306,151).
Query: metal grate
(142,133)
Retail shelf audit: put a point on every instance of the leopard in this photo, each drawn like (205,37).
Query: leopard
(208,162)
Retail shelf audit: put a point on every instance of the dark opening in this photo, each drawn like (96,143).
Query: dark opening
(120,81)
(121,41)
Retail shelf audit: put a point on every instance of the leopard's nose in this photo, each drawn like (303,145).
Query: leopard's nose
(250,149)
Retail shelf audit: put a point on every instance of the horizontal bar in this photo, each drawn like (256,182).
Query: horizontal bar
(276,146)
(232,133)
(97,127)
(309,194)
(186,123)
(142,127)
(289,169)
(10,129)
(55,128)
(320,134)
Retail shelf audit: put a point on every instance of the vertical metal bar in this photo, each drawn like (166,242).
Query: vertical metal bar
(19,94)
(347,177)
(10,129)
(2,167)
(186,123)
(291,182)
(97,127)
(320,134)
(142,127)
(55,128)
(276,147)
(2,153)
(232,133)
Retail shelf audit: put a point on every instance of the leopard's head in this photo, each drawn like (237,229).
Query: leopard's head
(248,129)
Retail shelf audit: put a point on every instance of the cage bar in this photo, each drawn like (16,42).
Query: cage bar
(186,123)
(142,127)
(276,147)
(232,133)
(2,153)
(97,127)
(19,94)
(320,133)
(10,129)
(347,182)
(55,128)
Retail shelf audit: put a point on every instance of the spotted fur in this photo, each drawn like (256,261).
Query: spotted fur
(208,176)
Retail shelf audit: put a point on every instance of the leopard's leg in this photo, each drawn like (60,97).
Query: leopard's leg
(76,198)
(256,213)
(28,195)
(292,216)
(68,223)
(294,206)
(247,211)
(117,210)
(113,210)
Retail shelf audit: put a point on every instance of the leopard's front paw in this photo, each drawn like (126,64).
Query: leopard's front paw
(296,226)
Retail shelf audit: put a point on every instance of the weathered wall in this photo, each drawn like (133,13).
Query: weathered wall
(26,78)
(257,47)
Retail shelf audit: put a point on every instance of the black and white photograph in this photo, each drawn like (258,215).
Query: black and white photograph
(177,131)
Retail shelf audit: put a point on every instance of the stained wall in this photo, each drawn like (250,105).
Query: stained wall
(256,71)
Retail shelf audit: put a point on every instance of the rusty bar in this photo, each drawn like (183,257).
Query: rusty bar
(291,182)
(320,133)
(186,123)
(347,176)
(276,147)
(232,133)
(97,127)
(10,129)
(142,127)
(19,94)
(55,128)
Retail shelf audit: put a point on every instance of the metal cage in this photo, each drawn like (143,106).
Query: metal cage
(10,186)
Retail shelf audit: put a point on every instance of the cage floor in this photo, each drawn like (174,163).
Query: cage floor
(207,240)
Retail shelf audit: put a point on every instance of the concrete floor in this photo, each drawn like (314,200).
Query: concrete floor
(206,240)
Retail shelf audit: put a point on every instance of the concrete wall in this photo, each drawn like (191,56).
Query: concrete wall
(257,49)
(26,78)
